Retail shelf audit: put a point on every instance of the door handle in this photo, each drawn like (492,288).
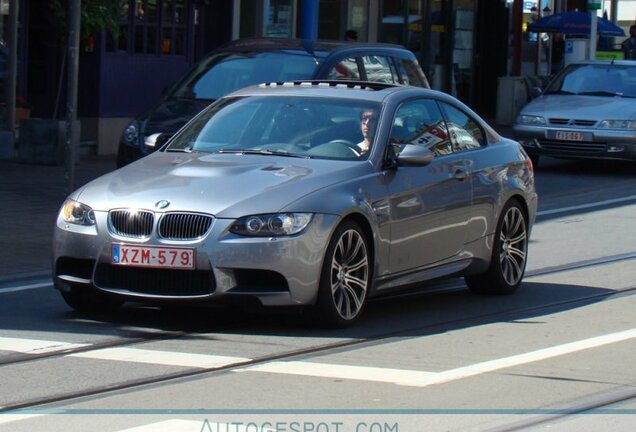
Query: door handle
(460,173)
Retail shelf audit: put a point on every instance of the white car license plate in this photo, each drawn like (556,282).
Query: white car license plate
(569,136)
(152,256)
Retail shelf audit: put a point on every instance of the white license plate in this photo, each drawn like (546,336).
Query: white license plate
(569,136)
(152,256)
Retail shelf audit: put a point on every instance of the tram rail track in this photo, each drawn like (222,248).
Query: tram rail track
(598,406)
(430,328)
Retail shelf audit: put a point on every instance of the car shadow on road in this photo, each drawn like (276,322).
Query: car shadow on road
(589,167)
(415,313)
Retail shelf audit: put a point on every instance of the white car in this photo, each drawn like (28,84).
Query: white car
(587,111)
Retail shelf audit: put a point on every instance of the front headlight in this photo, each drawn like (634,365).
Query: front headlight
(77,213)
(271,225)
(131,134)
(617,124)
(531,120)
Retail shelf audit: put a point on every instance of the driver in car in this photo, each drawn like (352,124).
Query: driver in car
(368,123)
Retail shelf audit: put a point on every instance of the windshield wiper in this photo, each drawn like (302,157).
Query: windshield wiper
(600,93)
(191,98)
(186,149)
(564,92)
(263,152)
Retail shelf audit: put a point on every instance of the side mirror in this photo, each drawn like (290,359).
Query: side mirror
(535,91)
(415,155)
(156,140)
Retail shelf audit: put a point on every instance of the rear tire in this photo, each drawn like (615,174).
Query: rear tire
(509,255)
(345,277)
(91,300)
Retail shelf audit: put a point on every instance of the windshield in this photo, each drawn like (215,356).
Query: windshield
(595,80)
(309,127)
(225,72)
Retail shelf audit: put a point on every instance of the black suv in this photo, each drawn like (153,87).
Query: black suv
(251,61)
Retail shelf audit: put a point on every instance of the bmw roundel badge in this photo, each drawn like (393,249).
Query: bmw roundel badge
(162,204)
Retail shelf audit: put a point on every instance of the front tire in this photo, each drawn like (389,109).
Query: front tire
(509,255)
(534,158)
(345,277)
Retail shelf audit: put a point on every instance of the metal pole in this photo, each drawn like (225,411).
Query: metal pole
(405,27)
(613,19)
(12,72)
(614,11)
(550,48)
(425,38)
(309,29)
(517,34)
(537,64)
(71,94)
(593,27)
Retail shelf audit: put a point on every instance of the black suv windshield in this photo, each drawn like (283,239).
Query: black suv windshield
(226,72)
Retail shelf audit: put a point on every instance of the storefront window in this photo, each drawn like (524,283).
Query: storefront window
(438,46)
(278,18)
(155,26)
(336,17)
(358,18)
(397,23)
(441,34)
(330,19)
(464,21)
(4,21)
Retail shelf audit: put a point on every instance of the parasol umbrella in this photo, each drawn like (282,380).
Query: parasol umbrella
(574,23)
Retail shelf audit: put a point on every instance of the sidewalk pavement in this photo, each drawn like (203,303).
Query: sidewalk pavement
(31,196)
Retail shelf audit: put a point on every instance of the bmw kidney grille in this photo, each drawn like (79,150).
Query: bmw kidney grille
(172,226)
(131,223)
(184,226)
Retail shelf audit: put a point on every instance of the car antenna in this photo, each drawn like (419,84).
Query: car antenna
(308,45)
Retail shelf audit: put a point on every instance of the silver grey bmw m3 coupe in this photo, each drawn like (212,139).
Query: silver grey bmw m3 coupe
(315,194)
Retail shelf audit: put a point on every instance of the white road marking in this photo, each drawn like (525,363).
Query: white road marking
(34,346)
(586,206)
(195,426)
(25,287)
(423,379)
(322,370)
(166,358)
(168,426)
(8,417)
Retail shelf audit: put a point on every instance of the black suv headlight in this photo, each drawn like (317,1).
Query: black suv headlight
(130,135)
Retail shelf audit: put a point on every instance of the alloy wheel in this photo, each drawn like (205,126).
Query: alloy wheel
(349,274)
(513,240)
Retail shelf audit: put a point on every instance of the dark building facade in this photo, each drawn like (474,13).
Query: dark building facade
(462,45)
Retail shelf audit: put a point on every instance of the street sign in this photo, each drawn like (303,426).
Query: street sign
(593,5)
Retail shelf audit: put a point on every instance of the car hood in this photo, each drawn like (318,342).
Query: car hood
(171,114)
(225,185)
(582,107)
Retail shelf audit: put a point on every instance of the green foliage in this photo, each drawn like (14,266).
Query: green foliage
(95,15)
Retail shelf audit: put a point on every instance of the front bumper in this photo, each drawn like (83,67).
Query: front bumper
(278,271)
(595,143)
